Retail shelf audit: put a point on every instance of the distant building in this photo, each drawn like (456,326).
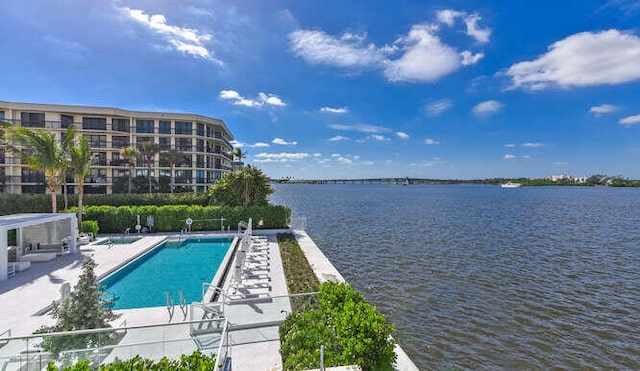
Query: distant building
(205,142)
(559,178)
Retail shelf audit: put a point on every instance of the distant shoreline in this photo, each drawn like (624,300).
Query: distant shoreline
(597,182)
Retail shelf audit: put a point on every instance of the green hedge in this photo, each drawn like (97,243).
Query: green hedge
(41,203)
(172,218)
(195,361)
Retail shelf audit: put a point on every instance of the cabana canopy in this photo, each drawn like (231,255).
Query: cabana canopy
(35,228)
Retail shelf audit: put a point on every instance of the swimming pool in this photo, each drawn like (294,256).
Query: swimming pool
(171,266)
(119,241)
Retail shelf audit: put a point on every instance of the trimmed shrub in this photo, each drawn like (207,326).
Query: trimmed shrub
(352,331)
(89,226)
(171,218)
(195,361)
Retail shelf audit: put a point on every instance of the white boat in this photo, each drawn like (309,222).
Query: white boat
(511,184)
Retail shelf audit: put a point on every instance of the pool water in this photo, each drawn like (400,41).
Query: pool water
(119,241)
(171,266)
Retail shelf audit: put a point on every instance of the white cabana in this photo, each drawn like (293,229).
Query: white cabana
(46,229)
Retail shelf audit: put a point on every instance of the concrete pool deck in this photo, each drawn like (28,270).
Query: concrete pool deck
(253,336)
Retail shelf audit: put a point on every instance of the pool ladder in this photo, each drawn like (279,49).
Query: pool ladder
(171,305)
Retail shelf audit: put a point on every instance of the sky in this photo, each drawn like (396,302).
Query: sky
(354,89)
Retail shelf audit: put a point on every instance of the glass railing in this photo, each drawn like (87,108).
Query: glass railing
(104,346)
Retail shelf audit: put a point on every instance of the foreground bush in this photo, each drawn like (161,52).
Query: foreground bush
(172,218)
(352,331)
(195,361)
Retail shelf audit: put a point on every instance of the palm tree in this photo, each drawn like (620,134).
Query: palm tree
(148,150)
(45,153)
(130,154)
(80,166)
(174,157)
(239,155)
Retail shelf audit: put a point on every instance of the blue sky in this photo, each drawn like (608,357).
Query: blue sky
(335,89)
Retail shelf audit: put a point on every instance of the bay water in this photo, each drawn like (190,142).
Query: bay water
(477,276)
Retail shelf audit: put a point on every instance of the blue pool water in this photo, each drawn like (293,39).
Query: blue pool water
(169,267)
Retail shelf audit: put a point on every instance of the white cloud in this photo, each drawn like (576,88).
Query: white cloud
(532,145)
(402,135)
(186,40)
(262,100)
(338,138)
(426,58)
(378,137)
(345,160)
(561,163)
(334,110)
(603,108)
(486,108)
(280,157)
(363,128)
(261,144)
(335,155)
(237,144)
(526,156)
(438,107)
(631,120)
(509,145)
(271,100)
(283,142)
(448,16)
(583,59)
(431,142)
(436,161)
(509,156)
(317,154)
(418,56)
(469,58)
(480,34)
(348,50)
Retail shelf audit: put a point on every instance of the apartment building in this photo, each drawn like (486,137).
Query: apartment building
(204,142)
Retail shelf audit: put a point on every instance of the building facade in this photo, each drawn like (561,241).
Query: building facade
(203,141)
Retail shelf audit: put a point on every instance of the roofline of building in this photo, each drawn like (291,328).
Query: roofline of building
(110,111)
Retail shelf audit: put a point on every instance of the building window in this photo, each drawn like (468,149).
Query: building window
(100,158)
(199,161)
(66,121)
(165,127)
(200,130)
(119,142)
(183,128)
(200,146)
(32,119)
(143,139)
(183,176)
(96,176)
(121,125)
(144,126)
(164,144)
(1,115)
(32,176)
(183,144)
(200,176)
(97,141)
(94,123)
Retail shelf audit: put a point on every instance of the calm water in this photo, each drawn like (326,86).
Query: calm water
(170,267)
(484,277)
